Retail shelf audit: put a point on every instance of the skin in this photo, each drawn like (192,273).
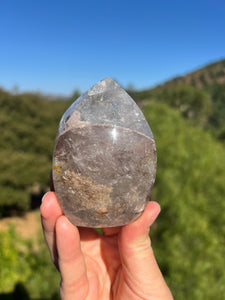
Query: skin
(119,264)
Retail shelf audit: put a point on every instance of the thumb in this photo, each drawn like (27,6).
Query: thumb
(140,269)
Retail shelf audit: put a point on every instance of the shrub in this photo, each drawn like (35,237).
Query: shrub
(189,237)
(26,269)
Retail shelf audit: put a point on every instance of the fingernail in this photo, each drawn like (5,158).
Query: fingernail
(44,196)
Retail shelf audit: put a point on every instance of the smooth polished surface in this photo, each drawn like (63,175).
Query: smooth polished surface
(104,163)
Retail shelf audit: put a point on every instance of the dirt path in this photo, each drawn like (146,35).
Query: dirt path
(27,226)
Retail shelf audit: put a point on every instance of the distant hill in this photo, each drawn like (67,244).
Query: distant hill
(204,77)
(199,95)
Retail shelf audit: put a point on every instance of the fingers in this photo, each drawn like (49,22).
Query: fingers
(111,231)
(50,212)
(64,245)
(71,261)
(137,232)
(141,268)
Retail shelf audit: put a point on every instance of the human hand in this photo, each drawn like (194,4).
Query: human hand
(119,264)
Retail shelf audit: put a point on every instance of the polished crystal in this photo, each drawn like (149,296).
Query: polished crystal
(104,162)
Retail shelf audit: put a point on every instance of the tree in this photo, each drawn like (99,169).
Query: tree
(189,237)
(193,103)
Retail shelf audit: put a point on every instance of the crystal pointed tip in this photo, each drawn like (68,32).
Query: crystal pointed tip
(108,80)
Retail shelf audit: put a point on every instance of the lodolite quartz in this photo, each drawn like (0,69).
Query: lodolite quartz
(104,162)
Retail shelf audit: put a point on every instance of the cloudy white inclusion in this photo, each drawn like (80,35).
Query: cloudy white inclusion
(114,134)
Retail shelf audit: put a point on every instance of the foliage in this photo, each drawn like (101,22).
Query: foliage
(76,94)
(199,95)
(217,116)
(13,263)
(24,267)
(189,239)
(193,103)
(28,127)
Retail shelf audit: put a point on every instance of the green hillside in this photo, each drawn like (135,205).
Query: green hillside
(189,236)
(28,126)
(199,96)
(204,77)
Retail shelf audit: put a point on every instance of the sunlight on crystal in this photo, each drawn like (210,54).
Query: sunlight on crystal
(114,134)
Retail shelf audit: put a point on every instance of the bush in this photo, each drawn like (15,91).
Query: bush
(193,103)
(28,129)
(24,269)
(189,238)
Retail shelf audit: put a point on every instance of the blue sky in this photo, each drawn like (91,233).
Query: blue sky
(58,46)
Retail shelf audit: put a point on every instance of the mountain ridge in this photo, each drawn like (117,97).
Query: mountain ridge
(201,77)
(199,95)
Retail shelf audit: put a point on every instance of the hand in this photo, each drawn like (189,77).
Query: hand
(119,264)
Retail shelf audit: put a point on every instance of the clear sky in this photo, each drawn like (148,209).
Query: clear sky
(58,46)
